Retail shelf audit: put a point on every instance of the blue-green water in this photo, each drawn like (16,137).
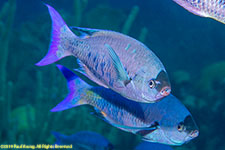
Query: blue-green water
(191,48)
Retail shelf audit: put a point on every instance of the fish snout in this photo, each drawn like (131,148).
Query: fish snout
(165,91)
(194,134)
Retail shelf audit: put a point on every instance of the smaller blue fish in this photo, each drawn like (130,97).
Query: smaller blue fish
(84,140)
(167,121)
(152,146)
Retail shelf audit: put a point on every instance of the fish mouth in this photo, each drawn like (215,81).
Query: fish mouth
(192,135)
(165,91)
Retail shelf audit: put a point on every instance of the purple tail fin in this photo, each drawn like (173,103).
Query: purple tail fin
(58,41)
(77,87)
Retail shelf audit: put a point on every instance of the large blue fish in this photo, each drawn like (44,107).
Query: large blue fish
(84,140)
(167,121)
(152,146)
(214,9)
(110,59)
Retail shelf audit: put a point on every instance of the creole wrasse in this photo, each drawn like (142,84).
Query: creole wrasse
(214,9)
(167,121)
(110,59)
(84,140)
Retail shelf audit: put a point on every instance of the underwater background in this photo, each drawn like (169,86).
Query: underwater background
(191,48)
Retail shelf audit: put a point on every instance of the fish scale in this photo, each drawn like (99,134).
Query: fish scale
(115,111)
(214,9)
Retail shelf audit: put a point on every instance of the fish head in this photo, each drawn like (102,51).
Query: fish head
(173,134)
(154,86)
(177,123)
(173,123)
(180,132)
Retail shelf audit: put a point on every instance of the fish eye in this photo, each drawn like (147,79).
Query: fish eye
(151,84)
(181,127)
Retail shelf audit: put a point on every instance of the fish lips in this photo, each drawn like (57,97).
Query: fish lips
(165,91)
(191,135)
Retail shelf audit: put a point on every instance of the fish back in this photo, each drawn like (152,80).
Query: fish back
(206,8)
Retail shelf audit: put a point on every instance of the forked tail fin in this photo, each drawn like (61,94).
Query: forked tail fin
(59,38)
(77,88)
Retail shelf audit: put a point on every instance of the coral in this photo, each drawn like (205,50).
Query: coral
(20,116)
(8,11)
(104,17)
(143,34)
(130,20)
(6,21)
(211,76)
(181,76)
(206,102)
(79,6)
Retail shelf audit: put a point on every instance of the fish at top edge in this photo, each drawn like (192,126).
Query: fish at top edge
(152,146)
(214,9)
(84,140)
(111,59)
(167,121)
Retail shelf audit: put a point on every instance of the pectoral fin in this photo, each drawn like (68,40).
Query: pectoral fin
(121,72)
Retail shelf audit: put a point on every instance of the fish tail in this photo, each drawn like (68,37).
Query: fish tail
(58,43)
(77,89)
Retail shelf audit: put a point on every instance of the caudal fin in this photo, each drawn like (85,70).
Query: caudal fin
(77,88)
(60,33)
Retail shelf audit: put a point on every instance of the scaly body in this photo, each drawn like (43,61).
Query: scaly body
(167,121)
(110,59)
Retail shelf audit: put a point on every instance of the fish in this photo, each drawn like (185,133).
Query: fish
(110,59)
(214,9)
(167,121)
(84,140)
(152,146)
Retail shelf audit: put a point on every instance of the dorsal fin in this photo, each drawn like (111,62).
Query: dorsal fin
(84,32)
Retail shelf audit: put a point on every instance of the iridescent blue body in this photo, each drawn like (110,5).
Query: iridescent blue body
(84,140)
(110,59)
(167,121)
(152,146)
(205,8)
